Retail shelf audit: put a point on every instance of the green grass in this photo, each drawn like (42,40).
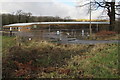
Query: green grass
(52,60)
(99,62)
(8,41)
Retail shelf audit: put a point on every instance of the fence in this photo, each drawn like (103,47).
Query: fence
(49,34)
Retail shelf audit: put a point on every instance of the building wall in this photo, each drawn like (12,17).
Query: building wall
(17,28)
(24,28)
(95,27)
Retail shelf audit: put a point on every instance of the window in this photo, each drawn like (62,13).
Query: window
(27,27)
(34,26)
(19,27)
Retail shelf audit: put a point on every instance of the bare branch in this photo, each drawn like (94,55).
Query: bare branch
(83,5)
(117,13)
(100,5)
(117,5)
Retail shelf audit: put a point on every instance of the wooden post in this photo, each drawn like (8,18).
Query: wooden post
(97,27)
(10,33)
(49,28)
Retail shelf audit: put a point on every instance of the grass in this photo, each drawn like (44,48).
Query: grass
(99,62)
(7,41)
(51,60)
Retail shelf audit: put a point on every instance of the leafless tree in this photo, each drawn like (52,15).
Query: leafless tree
(111,9)
(19,14)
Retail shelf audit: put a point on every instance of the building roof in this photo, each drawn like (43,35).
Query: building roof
(73,23)
(50,23)
(20,24)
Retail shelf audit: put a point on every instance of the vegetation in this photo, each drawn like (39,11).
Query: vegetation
(101,35)
(25,17)
(51,60)
(106,35)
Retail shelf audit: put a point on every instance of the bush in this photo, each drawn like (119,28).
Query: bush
(28,59)
(105,33)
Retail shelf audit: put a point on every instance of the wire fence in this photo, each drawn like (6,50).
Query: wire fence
(53,34)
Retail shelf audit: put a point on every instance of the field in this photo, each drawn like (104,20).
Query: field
(43,59)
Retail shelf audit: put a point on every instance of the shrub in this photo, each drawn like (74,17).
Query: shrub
(105,33)
(42,54)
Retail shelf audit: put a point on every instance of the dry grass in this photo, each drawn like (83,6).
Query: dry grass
(52,60)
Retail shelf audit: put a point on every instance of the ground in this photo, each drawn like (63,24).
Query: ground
(54,60)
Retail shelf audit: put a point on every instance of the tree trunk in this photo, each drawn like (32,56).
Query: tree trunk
(112,17)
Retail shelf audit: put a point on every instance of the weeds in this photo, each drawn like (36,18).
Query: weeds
(52,60)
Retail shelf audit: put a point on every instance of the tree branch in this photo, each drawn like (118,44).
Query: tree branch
(83,5)
(117,13)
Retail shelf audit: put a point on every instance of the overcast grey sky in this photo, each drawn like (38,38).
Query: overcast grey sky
(62,8)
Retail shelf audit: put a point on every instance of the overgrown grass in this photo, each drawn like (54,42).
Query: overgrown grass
(51,60)
(100,62)
(8,41)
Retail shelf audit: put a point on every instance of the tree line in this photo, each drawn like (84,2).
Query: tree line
(25,17)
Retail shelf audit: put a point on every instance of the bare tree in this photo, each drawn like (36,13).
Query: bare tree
(111,9)
(19,14)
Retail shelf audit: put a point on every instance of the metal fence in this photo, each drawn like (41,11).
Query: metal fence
(50,35)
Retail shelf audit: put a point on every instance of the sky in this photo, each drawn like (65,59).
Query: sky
(61,8)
